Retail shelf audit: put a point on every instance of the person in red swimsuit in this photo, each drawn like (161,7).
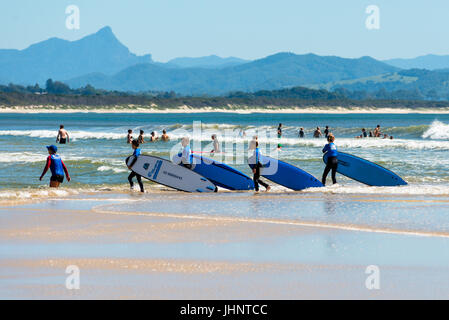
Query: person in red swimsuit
(56,166)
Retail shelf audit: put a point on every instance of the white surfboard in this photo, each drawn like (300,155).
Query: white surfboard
(167,173)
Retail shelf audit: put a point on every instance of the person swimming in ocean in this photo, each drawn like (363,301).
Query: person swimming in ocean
(317,133)
(141,138)
(256,170)
(280,130)
(377,132)
(332,159)
(216,148)
(56,166)
(153,137)
(63,135)
(326,132)
(165,136)
(136,154)
(301,133)
(129,138)
(363,134)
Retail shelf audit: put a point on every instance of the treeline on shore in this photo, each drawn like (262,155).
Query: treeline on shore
(59,94)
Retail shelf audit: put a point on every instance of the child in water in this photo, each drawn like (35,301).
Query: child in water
(332,159)
(256,169)
(136,154)
(56,166)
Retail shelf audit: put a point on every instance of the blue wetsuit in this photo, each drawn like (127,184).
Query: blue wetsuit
(332,162)
(136,154)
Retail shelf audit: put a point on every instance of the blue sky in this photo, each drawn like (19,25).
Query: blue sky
(246,28)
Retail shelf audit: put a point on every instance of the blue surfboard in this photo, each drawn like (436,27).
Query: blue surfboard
(285,174)
(365,171)
(220,174)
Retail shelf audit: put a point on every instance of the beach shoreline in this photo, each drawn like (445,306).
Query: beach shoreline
(234,109)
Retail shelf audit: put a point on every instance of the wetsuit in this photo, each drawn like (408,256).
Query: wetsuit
(186,156)
(279,132)
(136,154)
(326,132)
(256,176)
(301,133)
(332,162)
(57,168)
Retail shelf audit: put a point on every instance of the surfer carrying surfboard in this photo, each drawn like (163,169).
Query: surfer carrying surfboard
(136,154)
(257,166)
(332,159)
(186,153)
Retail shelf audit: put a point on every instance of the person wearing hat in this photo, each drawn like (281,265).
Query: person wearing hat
(56,166)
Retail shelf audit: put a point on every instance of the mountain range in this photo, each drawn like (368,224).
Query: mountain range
(102,61)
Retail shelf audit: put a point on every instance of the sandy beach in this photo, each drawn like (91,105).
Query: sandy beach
(128,246)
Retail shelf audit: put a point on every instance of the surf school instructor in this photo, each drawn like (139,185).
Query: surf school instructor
(332,159)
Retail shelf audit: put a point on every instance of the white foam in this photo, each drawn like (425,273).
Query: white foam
(419,189)
(437,130)
(108,168)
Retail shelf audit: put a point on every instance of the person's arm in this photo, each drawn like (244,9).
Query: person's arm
(66,171)
(68,138)
(47,166)
(326,148)
(57,137)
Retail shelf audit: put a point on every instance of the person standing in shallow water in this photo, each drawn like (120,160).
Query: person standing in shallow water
(136,154)
(63,135)
(332,159)
(257,166)
(280,131)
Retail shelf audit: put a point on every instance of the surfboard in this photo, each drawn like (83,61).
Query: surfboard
(167,173)
(365,171)
(285,174)
(220,174)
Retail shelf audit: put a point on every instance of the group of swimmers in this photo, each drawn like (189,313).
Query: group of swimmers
(376,133)
(141,139)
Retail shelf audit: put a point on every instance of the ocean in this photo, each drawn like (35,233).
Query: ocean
(95,156)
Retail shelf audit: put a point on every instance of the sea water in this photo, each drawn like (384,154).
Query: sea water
(419,151)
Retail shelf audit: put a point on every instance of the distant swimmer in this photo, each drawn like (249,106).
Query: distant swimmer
(63,135)
(186,153)
(326,132)
(129,138)
(385,136)
(256,169)
(164,136)
(301,133)
(141,138)
(216,148)
(317,133)
(391,138)
(363,134)
(153,137)
(371,135)
(377,132)
(280,130)
(56,166)
(332,159)
(279,147)
(136,154)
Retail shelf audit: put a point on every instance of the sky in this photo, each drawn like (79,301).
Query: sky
(248,29)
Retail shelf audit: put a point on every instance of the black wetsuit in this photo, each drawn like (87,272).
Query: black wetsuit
(256,176)
(133,174)
(332,164)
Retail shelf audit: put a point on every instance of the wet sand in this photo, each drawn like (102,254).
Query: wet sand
(178,246)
